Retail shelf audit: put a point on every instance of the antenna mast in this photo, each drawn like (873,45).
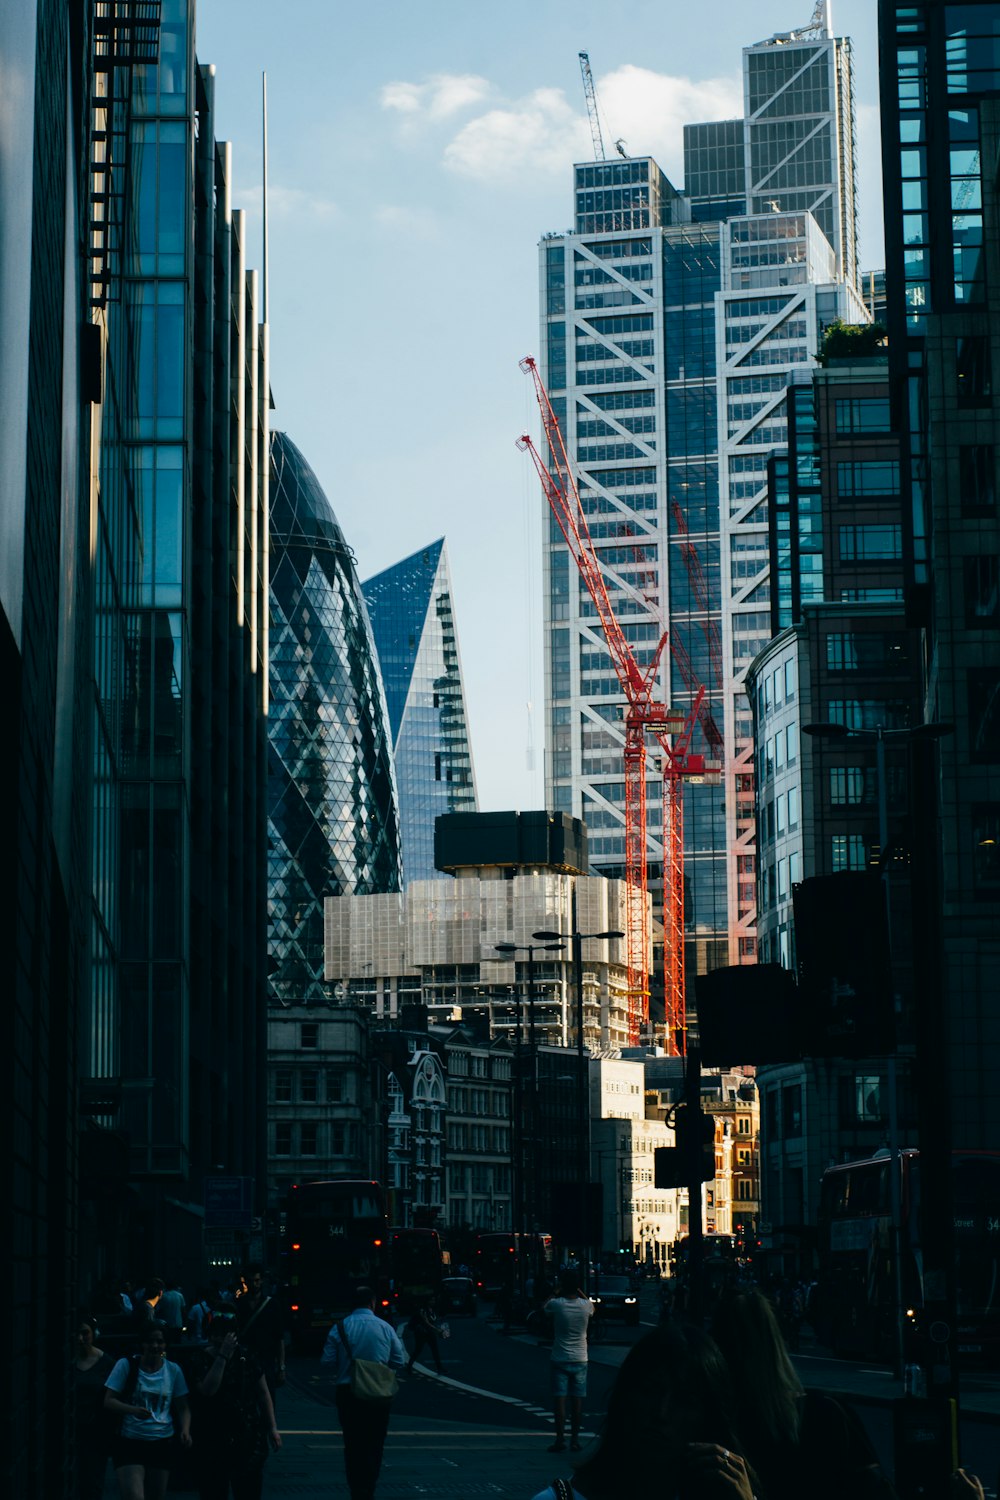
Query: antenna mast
(591,96)
(264,264)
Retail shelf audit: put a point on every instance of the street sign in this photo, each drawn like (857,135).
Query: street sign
(228,1202)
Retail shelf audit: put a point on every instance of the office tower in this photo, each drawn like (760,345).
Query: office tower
(411,609)
(779,291)
(192,833)
(940,101)
(628,351)
(798,95)
(669,328)
(841,656)
(332,813)
(51,343)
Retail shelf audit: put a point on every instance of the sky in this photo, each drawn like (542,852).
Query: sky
(417,151)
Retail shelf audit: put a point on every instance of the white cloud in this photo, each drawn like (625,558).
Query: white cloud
(543,131)
(443,95)
(649,111)
(287,203)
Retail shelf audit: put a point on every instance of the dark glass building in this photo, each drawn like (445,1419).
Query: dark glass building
(333,820)
(940,82)
(412,614)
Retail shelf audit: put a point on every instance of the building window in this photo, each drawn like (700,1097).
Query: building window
(872,480)
(870,543)
(849,786)
(972,370)
(744,1190)
(986,849)
(791,1110)
(976,470)
(308,1137)
(309,1086)
(309,1034)
(283,1138)
(861,1100)
(982,590)
(984,714)
(335,1087)
(862,414)
(847,852)
(338,1137)
(283,1086)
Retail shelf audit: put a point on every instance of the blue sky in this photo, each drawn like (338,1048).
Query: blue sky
(417,153)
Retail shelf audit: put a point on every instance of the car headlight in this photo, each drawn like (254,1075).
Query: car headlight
(629,1301)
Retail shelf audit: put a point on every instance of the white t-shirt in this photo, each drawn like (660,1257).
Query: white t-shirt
(570,1315)
(155,1392)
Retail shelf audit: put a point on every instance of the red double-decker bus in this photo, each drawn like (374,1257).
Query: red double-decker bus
(854,1304)
(336,1237)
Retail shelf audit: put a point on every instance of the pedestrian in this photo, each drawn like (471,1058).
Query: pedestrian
(571,1311)
(426,1330)
(198,1318)
(365,1422)
(91,1368)
(150,1395)
(234,1417)
(170,1311)
(260,1324)
(145,1306)
(798,1441)
(673,1386)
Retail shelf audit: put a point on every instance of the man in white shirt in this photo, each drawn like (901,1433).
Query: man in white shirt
(571,1312)
(364,1423)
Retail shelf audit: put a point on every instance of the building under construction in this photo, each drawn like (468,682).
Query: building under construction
(505,877)
(670,324)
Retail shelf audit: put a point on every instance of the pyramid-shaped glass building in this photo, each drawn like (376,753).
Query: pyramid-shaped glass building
(333,827)
(412,617)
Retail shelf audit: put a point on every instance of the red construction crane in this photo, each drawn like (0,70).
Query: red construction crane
(643,716)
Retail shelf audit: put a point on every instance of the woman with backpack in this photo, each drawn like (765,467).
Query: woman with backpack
(234,1417)
(149,1394)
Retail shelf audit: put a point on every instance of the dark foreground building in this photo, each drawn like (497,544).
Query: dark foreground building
(133,655)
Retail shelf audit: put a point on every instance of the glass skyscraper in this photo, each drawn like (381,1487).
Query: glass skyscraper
(412,615)
(662,353)
(332,809)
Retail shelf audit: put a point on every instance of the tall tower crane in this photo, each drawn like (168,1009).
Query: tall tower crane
(591,96)
(644,716)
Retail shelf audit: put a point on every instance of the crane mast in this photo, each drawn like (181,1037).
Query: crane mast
(591,96)
(644,716)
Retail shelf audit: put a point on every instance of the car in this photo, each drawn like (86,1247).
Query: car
(458,1295)
(614,1297)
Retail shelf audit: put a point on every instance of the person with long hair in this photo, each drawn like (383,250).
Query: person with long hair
(91,1368)
(234,1417)
(798,1442)
(669,1427)
(149,1394)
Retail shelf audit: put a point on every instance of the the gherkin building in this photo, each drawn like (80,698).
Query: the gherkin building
(333,822)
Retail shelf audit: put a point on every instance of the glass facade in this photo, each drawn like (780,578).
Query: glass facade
(671,406)
(412,618)
(332,808)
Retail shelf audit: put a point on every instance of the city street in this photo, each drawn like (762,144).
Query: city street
(484,1426)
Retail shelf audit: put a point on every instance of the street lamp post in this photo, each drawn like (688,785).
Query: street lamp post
(879,737)
(577,940)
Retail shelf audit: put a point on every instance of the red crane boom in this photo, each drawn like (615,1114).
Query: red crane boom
(643,716)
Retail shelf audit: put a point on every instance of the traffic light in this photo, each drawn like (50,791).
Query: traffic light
(696,1138)
(693,1157)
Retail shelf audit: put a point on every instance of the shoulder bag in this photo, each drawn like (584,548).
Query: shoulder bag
(370,1379)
